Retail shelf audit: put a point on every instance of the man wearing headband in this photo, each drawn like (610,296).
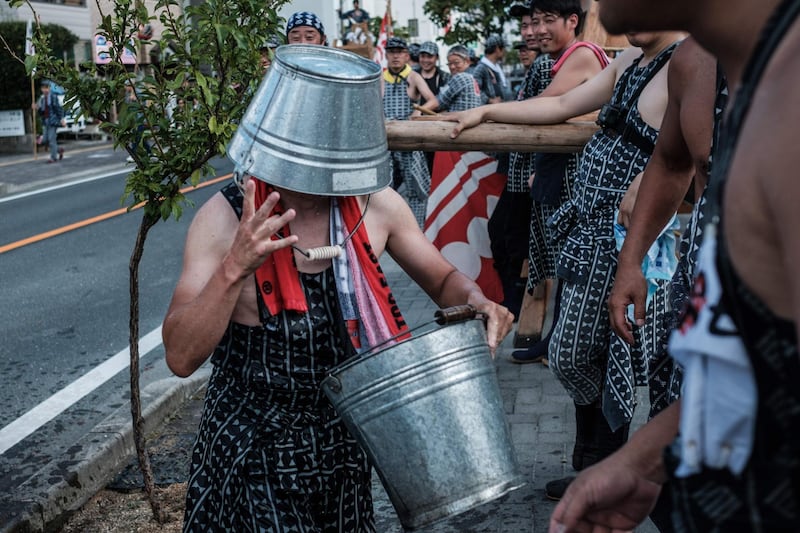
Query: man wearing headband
(281,283)
(305,28)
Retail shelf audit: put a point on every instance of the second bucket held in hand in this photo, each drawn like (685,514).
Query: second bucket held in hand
(429,414)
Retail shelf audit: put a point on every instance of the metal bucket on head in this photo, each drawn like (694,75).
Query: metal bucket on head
(316,125)
(429,414)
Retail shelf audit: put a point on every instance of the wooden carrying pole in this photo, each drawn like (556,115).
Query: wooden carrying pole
(434,135)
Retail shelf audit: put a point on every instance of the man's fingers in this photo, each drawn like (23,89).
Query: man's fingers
(639,309)
(248,205)
(456,131)
(619,320)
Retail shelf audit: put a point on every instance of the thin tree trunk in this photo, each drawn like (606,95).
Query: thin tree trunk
(136,401)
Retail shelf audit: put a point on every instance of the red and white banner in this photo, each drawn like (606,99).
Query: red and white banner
(379,55)
(465,187)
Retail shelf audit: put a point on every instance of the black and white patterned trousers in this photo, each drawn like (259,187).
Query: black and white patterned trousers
(589,359)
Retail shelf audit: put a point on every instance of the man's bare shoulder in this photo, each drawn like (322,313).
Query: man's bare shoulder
(214,223)
(624,59)
(385,203)
(415,77)
(388,214)
(691,61)
(581,57)
(775,110)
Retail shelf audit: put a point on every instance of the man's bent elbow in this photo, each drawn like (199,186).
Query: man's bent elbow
(179,365)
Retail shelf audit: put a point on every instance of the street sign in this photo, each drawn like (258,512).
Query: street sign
(12,123)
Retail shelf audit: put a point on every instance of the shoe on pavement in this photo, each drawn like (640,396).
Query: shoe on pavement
(554,490)
(60,154)
(535,353)
(52,161)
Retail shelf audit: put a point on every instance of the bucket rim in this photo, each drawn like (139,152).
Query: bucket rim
(285,56)
(373,351)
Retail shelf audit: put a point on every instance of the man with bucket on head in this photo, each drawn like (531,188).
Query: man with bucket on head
(281,283)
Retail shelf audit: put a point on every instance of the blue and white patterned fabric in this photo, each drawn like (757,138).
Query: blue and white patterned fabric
(305,18)
(584,353)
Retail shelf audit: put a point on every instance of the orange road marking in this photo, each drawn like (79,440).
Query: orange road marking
(99,218)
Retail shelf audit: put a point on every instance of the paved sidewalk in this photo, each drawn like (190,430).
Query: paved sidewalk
(538,409)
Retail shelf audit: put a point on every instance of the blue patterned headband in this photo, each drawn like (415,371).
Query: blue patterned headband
(305,18)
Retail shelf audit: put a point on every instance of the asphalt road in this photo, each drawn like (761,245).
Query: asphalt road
(64,312)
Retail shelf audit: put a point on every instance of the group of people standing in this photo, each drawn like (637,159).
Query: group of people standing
(425,88)
(720,452)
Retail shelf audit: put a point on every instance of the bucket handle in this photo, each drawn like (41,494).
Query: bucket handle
(456,313)
(442,317)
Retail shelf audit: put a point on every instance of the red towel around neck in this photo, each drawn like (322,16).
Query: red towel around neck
(279,283)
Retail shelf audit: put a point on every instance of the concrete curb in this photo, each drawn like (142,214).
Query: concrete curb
(63,486)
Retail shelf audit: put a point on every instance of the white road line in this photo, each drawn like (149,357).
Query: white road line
(59,402)
(63,185)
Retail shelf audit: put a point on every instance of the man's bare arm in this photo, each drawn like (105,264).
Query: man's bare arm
(551,107)
(219,257)
(618,493)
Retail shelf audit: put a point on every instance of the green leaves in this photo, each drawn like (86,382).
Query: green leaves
(187,102)
(470,21)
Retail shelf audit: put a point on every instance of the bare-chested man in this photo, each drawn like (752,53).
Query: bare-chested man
(735,465)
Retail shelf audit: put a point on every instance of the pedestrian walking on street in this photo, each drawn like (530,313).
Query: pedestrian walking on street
(52,117)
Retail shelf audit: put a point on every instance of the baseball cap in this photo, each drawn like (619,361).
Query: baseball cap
(396,42)
(429,47)
(459,50)
(495,41)
(520,45)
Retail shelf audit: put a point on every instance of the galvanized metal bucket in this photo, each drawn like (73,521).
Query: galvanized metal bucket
(316,124)
(429,414)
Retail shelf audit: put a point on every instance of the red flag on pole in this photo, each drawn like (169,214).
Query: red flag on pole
(465,187)
(386,31)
